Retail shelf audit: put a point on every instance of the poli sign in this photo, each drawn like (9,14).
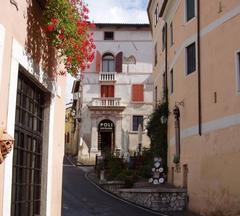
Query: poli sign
(107,125)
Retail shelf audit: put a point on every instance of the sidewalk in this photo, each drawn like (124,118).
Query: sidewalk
(92,177)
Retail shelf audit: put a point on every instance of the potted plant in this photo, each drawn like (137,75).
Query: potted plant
(67,27)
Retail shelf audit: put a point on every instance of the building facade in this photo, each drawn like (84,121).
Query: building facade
(116,95)
(70,126)
(32,111)
(197,62)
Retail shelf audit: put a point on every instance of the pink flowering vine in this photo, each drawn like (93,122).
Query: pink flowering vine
(67,26)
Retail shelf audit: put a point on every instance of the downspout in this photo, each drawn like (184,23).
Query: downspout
(166,62)
(199,70)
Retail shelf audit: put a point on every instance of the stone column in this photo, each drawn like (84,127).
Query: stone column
(118,135)
(94,137)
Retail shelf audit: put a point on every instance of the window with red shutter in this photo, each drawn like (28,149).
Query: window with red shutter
(138,92)
(107,91)
(98,61)
(119,62)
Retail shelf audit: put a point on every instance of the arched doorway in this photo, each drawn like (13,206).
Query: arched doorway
(106,135)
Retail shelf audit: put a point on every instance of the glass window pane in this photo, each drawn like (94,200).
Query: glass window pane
(111,66)
(191,58)
(190,9)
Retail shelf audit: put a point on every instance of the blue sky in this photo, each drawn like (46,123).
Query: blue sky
(118,11)
(114,11)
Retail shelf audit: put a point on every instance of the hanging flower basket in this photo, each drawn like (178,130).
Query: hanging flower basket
(67,28)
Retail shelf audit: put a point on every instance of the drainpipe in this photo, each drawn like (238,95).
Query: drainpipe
(199,70)
(166,62)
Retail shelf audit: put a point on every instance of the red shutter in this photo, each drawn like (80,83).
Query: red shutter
(137,92)
(119,61)
(111,91)
(107,91)
(98,61)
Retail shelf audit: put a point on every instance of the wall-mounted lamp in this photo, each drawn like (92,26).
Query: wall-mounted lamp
(163,119)
(6,142)
(180,103)
(176,112)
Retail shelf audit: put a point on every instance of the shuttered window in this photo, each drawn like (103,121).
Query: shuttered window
(98,61)
(138,92)
(191,58)
(108,63)
(107,91)
(119,61)
(137,120)
(190,9)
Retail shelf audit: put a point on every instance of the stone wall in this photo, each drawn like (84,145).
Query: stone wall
(158,199)
(112,186)
(164,199)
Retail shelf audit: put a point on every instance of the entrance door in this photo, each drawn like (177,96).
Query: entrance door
(106,136)
(106,141)
(27,153)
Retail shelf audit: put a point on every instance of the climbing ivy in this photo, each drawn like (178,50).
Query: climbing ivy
(157,132)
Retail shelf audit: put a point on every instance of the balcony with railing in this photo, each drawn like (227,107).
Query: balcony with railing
(107,77)
(106,103)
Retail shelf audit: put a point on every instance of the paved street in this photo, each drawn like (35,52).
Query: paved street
(82,198)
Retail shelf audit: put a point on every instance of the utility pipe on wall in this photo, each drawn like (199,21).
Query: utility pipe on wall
(199,70)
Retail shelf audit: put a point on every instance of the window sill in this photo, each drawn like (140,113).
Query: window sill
(187,75)
(189,21)
(137,102)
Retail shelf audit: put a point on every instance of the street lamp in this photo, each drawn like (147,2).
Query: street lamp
(163,119)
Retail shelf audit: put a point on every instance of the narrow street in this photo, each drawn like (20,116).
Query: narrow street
(82,198)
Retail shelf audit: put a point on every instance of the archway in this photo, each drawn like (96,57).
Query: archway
(106,134)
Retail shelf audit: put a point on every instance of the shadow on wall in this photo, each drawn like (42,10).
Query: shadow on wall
(37,45)
(221,203)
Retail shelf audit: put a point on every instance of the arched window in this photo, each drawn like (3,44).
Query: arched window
(108,63)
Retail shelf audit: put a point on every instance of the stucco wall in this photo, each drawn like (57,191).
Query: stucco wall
(130,41)
(23,35)
(212,159)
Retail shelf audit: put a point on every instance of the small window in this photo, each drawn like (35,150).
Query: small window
(156,54)
(156,15)
(171,34)
(191,58)
(137,120)
(171,81)
(190,9)
(137,92)
(76,86)
(164,38)
(108,35)
(238,72)
(164,84)
(156,95)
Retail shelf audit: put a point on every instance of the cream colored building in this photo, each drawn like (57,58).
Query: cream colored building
(32,111)
(197,59)
(116,92)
